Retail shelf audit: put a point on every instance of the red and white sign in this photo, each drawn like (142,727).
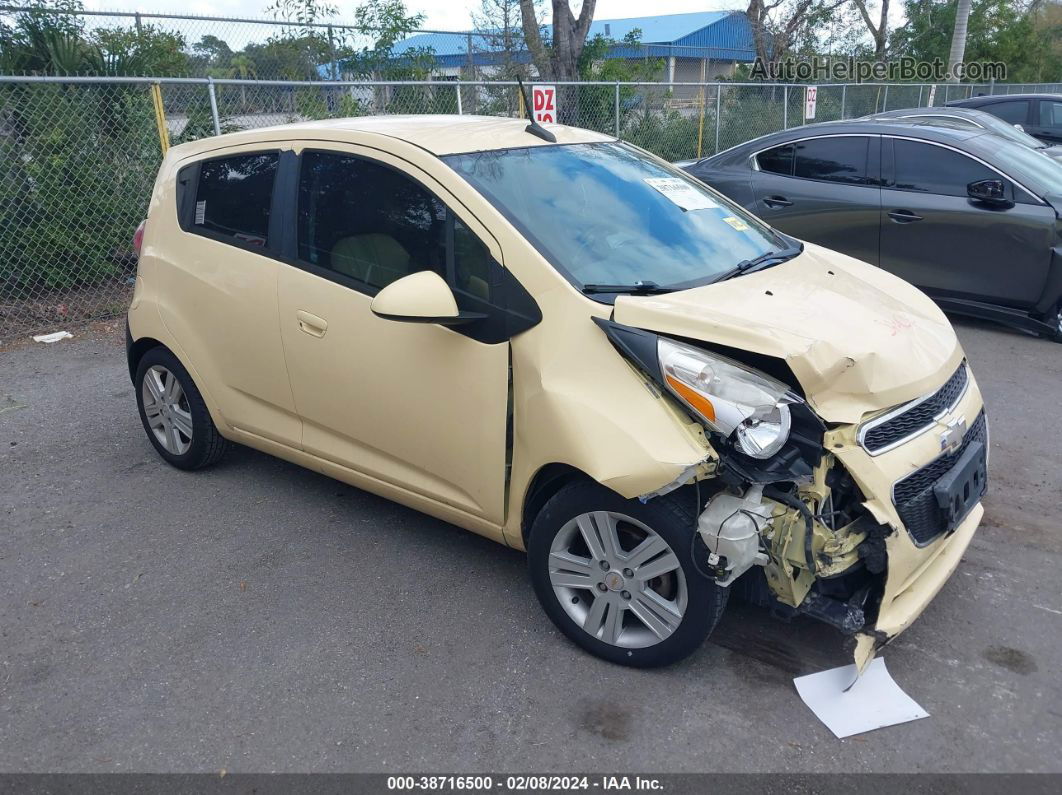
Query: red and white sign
(544,103)
(811,97)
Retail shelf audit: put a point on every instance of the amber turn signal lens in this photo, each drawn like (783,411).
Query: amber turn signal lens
(698,401)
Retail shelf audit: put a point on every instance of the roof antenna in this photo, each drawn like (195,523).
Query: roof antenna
(534,127)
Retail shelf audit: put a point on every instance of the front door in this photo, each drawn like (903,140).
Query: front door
(413,405)
(936,237)
(823,190)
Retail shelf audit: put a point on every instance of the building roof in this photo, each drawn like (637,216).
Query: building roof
(666,29)
(438,134)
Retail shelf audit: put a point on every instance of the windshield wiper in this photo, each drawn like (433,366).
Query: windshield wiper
(638,288)
(765,260)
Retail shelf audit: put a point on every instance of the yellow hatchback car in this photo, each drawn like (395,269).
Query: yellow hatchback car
(559,341)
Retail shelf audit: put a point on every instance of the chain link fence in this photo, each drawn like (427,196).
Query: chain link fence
(78,156)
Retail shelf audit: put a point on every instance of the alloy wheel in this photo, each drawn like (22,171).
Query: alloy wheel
(166,408)
(618,579)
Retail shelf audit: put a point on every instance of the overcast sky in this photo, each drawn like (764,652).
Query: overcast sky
(441,14)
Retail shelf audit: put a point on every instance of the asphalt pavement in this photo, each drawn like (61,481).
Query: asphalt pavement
(260,617)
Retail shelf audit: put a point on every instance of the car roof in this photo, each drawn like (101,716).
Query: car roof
(947,110)
(988,99)
(911,129)
(438,134)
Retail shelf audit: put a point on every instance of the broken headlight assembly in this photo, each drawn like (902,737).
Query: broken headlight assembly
(748,408)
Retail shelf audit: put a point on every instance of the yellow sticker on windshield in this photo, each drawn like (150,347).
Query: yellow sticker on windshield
(737,223)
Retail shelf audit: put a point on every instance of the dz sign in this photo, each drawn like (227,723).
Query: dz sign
(544,103)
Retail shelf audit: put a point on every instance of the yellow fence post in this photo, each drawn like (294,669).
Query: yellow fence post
(700,124)
(160,117)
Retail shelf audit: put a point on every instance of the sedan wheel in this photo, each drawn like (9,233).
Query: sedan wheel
(174,414)
(618,579)
(618,576)
(166,409)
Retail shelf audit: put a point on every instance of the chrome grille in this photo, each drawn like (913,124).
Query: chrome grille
(911,419)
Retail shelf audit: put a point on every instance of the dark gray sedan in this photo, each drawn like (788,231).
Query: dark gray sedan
(971,218)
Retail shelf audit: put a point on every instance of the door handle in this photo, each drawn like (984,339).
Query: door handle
(311,324)
(903,216)
(777,201)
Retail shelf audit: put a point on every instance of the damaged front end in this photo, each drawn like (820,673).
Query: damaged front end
(807,547)
(826,525)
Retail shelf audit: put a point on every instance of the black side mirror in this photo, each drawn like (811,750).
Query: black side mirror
(989,191)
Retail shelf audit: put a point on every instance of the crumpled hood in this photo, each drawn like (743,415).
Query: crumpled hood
(858,339)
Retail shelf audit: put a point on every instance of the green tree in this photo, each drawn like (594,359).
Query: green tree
(242,67)
(129,51)
(501,33)
(1023,36)
(557,57)
(211,55)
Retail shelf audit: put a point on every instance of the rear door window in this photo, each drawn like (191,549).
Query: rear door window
(777,161)
(233,198)
(833,159)
(925,168)
(1014,111)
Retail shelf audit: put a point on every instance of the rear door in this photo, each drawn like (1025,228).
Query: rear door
(824,190)
(937,238)
(1046,123)
(218,288)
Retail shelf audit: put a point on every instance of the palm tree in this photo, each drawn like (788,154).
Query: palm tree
(958,40)
(241,67)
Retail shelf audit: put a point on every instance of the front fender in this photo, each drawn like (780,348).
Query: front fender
(577,401)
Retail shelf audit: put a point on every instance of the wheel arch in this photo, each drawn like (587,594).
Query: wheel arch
(135,350)
(547,481)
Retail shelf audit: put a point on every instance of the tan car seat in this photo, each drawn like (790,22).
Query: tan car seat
(374,258)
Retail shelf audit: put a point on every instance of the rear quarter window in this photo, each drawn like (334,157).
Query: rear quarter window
(232,198)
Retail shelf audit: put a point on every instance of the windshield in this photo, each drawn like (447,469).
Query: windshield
(1007,130)
(1031,167)
(987,121)
(606,214)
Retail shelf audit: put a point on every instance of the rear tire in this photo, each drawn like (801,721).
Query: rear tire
(174,414)
(639,602)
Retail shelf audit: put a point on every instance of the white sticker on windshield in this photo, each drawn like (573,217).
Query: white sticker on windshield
(200,212)
(682,193)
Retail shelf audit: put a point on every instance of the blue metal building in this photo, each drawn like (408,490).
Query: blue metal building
(697,46)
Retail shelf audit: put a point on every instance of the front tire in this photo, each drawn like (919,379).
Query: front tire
(618,578)
(174,414)
(1055,321)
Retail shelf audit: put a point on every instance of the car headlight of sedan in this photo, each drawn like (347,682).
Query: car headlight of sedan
(740,404)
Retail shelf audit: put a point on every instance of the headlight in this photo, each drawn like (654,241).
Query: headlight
(739,403)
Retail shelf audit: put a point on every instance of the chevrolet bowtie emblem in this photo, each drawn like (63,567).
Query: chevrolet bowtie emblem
(952,437)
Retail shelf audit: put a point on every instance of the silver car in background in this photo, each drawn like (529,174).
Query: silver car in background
(969,119)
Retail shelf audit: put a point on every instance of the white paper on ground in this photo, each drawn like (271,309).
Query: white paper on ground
(873,702)
(55,336)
